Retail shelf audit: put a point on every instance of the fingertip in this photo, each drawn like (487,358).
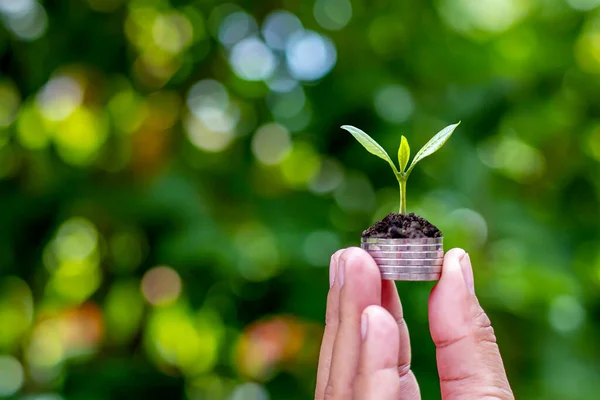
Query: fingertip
(357,254)
(380,320)
(451,269)
(380,332)
(335,256)
(455,252)
(359,279)
(448,301)
(452,259)
(467,271)
(377,376)
(333,265)
(358,262)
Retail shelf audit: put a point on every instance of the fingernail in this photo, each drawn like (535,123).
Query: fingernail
(341,272)
(364,321)
(332,269)
(467,271)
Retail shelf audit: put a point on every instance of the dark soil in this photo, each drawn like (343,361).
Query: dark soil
(402,226)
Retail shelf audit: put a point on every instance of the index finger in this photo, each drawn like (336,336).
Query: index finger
(331,326)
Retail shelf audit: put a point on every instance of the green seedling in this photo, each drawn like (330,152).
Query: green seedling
(402,175)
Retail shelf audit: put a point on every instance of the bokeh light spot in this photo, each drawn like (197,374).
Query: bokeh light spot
(80,136)
(252,60)
(81,329)
(250,391)
(177,337)
(44,396)
(10,100)
(355,194)
(512,157)
(333,14)
(217,120)
(16,311)
(587,48)
(583,5)
(330,176)
(59,98)
(318,247)
(139,27)
(11,375)
(592,143)
(279,27)
(235,27)
(310,56)
(16,7)
(214,116)
(386,36)
(172,32)
(281,81)
(161,285)
(45,349)
(73,259)
(76,281)
(209,386)
(288,104)
(259,257)
(123,322)
(298,122)
(394,103)
(218,14)
(471,228)
(72,333)
(75,240)
(207,94)
(566,314)
(301,165)
(205,138)
(25,18)
(274,343)
(271,143)
(471,16)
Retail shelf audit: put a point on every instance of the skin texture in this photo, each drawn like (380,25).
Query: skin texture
(365,353)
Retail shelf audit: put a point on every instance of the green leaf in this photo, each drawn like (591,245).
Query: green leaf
(371,145)
(433,145)
(403,154)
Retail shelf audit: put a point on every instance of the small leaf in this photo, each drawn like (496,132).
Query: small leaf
(403,154)
(434,144)
(371,145)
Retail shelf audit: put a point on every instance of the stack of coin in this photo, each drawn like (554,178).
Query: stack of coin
(407,259)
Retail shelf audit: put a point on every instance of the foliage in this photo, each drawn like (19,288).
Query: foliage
(173,182)
(402,175)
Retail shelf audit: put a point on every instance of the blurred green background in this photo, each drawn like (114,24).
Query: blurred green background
(173,180)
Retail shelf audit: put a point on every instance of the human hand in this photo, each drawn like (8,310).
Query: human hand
(365,353)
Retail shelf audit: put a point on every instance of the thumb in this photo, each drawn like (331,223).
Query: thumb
(468,358)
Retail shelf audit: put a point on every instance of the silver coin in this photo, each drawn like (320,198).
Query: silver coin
(424,262)
(417,247)
(407,276)
(406,254)
(415,269)
(403,241)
